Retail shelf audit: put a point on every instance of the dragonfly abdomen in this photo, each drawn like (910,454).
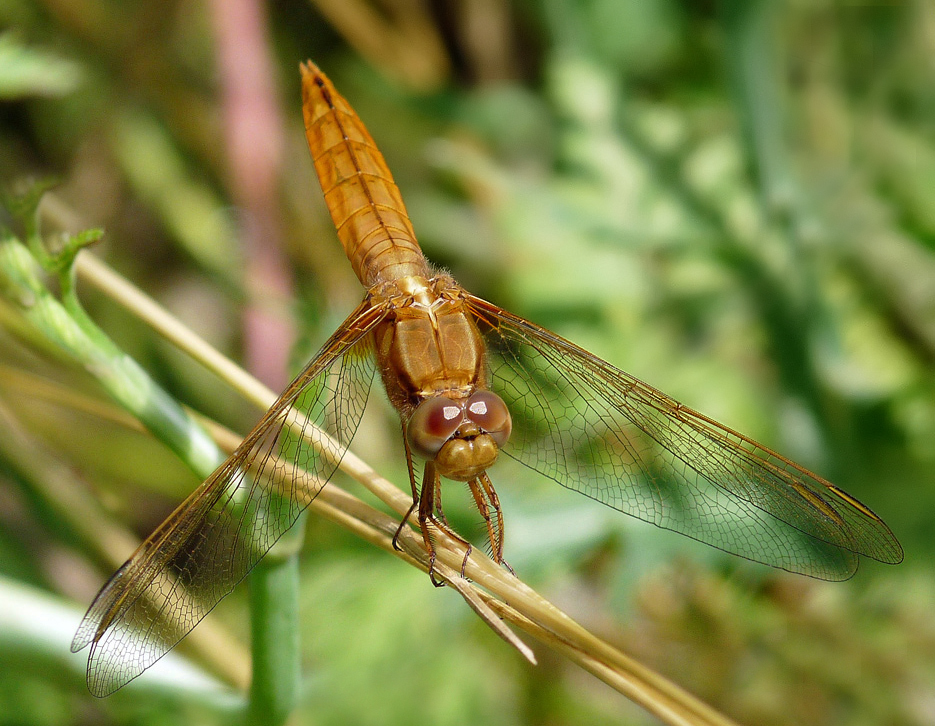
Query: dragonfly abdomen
(365,203)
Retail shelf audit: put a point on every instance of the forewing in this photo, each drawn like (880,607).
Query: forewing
(220,532)
(599,431)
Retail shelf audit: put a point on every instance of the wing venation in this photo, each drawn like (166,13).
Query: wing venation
(216,536)
(597,430)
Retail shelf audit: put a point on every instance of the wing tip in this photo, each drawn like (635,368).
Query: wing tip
(894,553)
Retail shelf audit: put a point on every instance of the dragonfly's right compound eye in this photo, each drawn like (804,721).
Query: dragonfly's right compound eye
(433,423)
(487,410)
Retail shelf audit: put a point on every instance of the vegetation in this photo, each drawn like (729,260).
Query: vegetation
(731,200)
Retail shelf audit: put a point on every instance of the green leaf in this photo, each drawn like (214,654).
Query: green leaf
(26,72)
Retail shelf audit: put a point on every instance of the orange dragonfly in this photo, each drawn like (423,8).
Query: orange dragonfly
(470,381)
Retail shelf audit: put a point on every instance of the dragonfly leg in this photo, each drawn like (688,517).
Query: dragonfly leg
(438,504)
(485,497)
(415,493)
(399,529)
(431,491)
(442,523)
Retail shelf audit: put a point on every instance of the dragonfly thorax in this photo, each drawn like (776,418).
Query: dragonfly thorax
(428,343)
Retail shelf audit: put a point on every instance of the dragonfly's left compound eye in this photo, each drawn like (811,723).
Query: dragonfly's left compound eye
(433,423)
(488,411)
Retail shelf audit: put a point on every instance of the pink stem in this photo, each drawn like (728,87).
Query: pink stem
(254,140)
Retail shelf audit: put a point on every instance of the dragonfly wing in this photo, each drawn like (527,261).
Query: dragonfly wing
(599,431)
(221,531)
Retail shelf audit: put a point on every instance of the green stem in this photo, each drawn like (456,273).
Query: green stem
(120,375)
(752,55)
(274,583)
(274,626)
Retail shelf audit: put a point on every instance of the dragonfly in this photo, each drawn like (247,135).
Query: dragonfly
(471,382)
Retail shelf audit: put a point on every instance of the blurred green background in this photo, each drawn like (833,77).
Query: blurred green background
(733,200)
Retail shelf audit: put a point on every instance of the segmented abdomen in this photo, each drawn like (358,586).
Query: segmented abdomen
(365,202)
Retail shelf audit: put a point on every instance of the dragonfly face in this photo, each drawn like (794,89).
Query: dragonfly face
(463,437)
(470,381)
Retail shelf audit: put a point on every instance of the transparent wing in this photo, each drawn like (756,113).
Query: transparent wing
(599,431)
(221,531)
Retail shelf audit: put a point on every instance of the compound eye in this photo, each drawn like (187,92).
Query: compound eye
(432,424)
(488,411)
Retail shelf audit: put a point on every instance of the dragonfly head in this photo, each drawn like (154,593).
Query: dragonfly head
(463,437)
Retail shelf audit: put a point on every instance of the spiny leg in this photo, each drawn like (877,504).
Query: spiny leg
(498,524)
(468,547)
(486,499)
(480,501)
(438,502)
(431,486)
(426,509)
(415,493)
